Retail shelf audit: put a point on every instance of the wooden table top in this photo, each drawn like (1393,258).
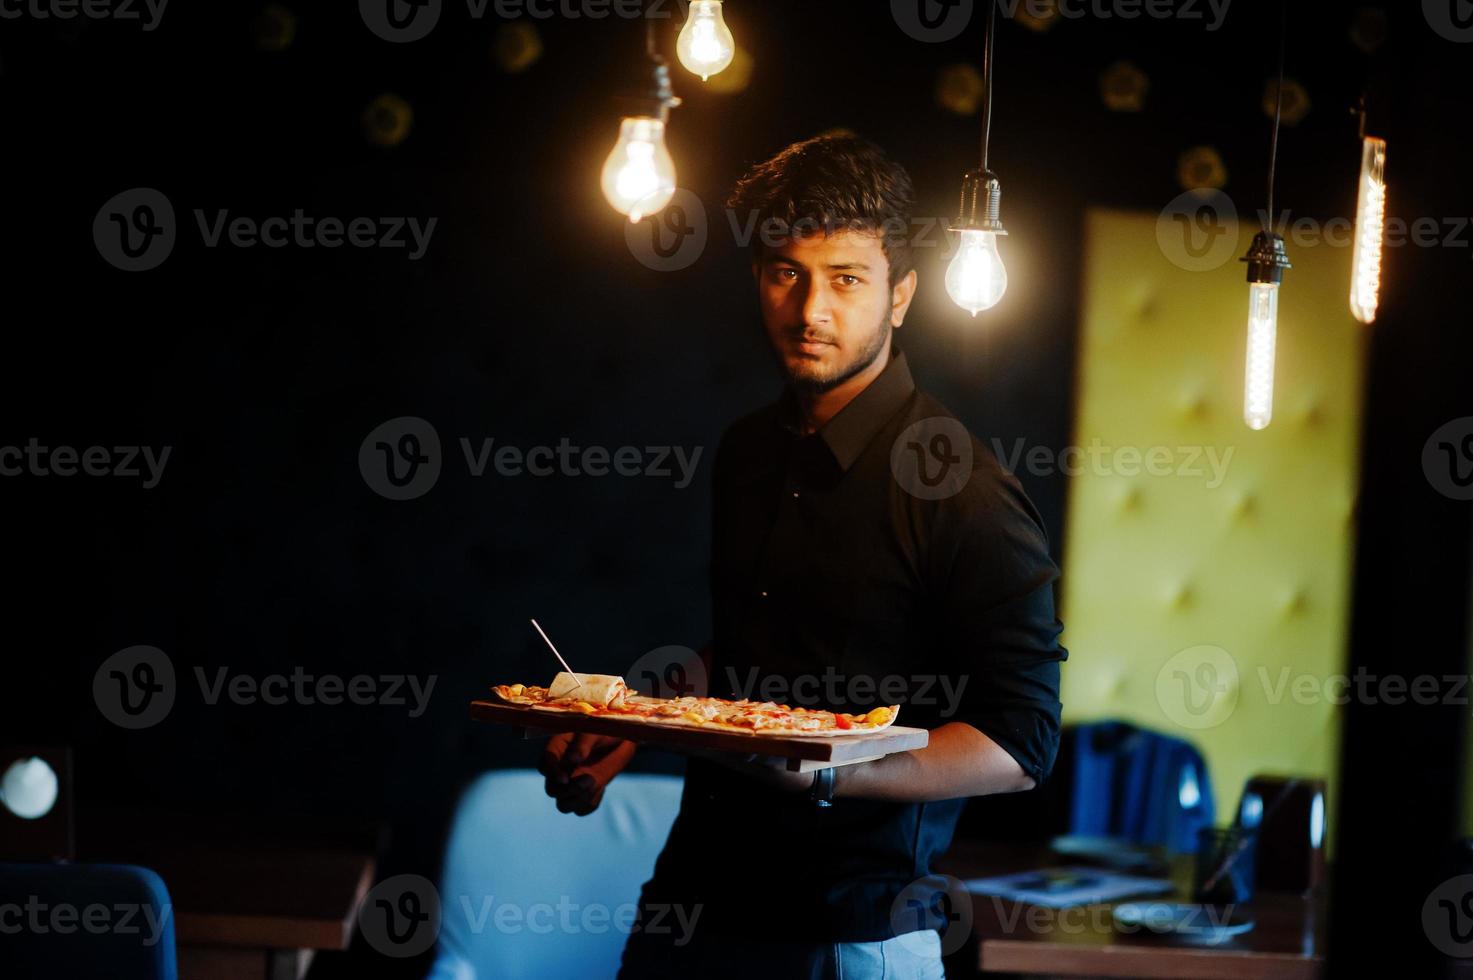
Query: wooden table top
(238,884)
(1287,941)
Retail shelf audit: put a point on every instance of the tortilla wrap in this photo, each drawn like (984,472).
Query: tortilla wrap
(600,689)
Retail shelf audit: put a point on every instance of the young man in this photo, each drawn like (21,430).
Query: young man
(863,542)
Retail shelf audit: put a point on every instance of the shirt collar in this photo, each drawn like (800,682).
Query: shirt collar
(852,429)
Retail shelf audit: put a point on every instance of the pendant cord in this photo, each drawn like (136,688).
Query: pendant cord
(1273,153)
(987,80)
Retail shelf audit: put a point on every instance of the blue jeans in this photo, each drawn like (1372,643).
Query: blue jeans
(914,956)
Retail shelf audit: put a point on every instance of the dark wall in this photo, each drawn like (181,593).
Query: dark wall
(528,320)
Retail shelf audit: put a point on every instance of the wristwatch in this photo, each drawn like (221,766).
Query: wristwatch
(822,793)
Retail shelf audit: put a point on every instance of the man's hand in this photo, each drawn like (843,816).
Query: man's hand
(578,767)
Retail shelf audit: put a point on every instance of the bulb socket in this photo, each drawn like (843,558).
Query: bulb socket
(1266,258)
(653,95)
(981,206)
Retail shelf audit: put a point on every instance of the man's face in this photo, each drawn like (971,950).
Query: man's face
(828,306)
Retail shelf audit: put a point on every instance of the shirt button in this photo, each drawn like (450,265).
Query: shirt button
(762,594)
(795,495)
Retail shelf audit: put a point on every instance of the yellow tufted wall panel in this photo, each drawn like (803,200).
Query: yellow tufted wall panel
(1253,557)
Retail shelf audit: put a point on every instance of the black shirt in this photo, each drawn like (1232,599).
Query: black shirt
(885,559)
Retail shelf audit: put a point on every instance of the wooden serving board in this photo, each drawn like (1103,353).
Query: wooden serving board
(804,753)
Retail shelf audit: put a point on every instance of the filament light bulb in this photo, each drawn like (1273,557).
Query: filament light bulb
(705,46)
(1370,227)
(639,176)
(976,278)
(1263,326)
(1267,261)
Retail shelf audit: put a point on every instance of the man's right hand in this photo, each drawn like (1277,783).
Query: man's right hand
(578,767)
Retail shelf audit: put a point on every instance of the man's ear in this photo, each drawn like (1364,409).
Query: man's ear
(900,297)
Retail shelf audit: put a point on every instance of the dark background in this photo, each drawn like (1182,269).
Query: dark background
(528,320)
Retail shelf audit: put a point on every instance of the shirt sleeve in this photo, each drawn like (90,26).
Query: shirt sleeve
(996,588)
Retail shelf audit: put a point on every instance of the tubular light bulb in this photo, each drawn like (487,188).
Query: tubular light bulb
(976,278)
(1263,325)
(705,45)
(1370,226)
(639,176)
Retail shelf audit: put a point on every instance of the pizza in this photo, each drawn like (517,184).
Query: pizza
(607,696)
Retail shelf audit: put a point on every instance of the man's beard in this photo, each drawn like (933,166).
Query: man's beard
(818,383)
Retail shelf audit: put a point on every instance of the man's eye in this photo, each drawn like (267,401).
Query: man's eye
(849,280)
(787,275)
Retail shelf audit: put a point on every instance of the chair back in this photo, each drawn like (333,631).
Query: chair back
(528,893)
(85,920)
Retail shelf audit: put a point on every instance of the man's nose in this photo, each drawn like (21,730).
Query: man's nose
(817,308)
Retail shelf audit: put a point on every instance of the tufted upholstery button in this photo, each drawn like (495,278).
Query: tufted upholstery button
(1195,407)
(1246,505)
(1182,596)
(1130,500)
(1298,602)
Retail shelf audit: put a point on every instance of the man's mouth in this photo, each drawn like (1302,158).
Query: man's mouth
(812,345)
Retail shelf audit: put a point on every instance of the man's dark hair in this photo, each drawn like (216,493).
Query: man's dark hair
(829,184)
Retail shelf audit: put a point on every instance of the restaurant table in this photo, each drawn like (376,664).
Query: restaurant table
(250,901)
(1287,941)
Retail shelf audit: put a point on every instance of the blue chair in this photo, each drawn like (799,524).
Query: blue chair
(1140,785)
(567,882)
(85,920)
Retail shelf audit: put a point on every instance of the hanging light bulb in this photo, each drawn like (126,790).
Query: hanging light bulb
(1267,261)
(639,176)
(705,46)
(1370,226)
(976,278)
